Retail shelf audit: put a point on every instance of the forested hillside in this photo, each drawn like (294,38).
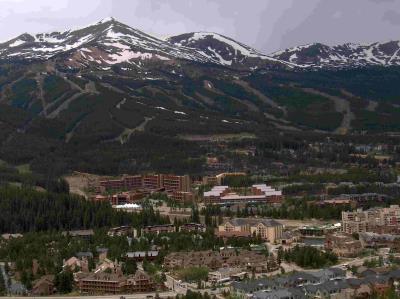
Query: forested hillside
(120,101)
(25,210)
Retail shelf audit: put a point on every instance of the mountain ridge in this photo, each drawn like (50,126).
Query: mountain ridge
(350,55)
(119,43)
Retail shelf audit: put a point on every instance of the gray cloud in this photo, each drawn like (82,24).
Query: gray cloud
(267,25)
(393,17)
(335,22)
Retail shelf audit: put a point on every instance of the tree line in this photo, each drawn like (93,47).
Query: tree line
(307,257)
(290,209)
(25,210)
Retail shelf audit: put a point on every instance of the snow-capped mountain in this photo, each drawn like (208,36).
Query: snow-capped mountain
(105,43)
(221,48)
(348,55)
(110,42)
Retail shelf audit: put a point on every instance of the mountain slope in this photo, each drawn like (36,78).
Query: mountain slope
(105,43)
(109,43)
(110,98)
(342,56)
(223,49)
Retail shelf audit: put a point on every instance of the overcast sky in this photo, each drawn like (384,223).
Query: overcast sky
(267,25)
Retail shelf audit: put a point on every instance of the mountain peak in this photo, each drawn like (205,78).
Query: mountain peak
(107,20)
(100,45)
(220,48)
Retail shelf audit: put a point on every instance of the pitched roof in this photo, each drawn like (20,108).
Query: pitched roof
(330,286)
(254,221)
(294,293)
(102,276)
(255,285)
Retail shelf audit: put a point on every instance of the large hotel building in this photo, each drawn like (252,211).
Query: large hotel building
(171,183)
(259,193)
(374,219)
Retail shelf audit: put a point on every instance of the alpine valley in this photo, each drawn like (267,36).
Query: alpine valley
(108,98)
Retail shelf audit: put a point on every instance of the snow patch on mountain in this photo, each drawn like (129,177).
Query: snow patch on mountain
(110,42)
(348,55)
(222,49)
(17,43)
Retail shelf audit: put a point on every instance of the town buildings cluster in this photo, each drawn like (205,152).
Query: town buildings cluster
(325,283)
(131,189)
(106,278)
(241,260)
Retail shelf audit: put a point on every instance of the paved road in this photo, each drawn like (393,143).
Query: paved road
(5,276)
(358,261)
(130,296)
(176,285)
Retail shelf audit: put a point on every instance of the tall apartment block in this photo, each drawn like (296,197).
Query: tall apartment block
(360,221)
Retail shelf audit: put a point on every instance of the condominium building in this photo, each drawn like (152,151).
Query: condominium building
(243,259)
(125,183)
(268,229)
(182,196)
(141,282)
(126,197)
(102,283)
(176,183)
(259,193)
(152,181)
(360,221)
(170,182)
(210,180)
(111,283)
(158,229)
(140,256)
(133,182)
(215,194)
(192,227)
(120,231)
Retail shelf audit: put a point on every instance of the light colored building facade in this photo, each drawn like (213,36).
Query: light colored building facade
(259,193)
(360,221)
(267,229)
(226,258)
(159,229)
